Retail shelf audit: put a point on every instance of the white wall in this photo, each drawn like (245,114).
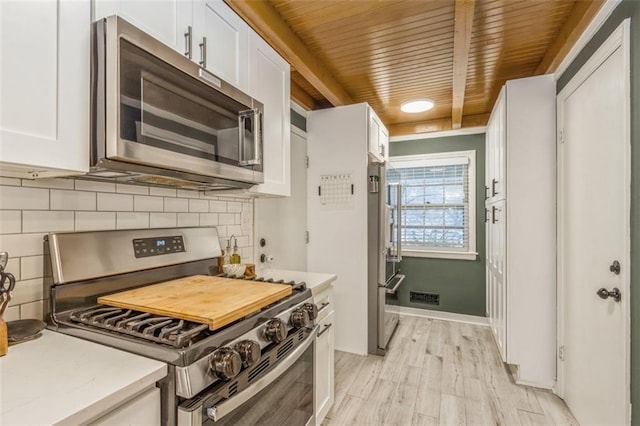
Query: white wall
(31,208)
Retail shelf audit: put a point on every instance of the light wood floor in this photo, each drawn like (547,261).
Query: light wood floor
(438,372)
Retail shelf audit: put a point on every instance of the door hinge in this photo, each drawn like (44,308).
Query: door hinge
(561,353)
(306,237)
(306,161)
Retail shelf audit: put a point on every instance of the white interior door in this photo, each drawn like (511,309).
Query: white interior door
(593,219)
(282,222)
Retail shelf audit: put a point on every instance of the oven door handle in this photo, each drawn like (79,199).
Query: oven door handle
(220,410)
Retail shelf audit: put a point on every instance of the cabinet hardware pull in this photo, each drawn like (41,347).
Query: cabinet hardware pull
(486,192)
(324,330)
(494,182)
(494,209)
(323,305)
(187,41)
(486,215)
(203,52)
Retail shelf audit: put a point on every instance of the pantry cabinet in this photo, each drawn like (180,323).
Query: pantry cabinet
(44,81)
(324,355)
(520,216)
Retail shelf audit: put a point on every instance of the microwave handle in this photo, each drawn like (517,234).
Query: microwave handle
(256,119)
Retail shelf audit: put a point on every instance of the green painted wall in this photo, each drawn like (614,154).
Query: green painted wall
(460,283)
(626,9)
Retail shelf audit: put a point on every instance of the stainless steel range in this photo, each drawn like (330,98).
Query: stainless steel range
(243,373)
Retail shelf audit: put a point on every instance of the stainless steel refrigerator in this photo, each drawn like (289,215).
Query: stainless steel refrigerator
(384,254)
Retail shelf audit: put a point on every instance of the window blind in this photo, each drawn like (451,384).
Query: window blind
(435,203)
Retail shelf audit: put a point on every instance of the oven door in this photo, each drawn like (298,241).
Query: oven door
(284,395)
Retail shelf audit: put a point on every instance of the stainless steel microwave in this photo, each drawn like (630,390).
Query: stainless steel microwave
(160,118)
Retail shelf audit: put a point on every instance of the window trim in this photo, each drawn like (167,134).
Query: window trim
(471,253)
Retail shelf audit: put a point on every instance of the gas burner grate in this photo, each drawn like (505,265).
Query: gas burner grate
(169,331)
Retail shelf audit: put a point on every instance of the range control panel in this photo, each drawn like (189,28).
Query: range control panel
(145,247)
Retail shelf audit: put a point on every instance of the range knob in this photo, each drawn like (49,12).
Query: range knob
(299,318)
(249,351)
(311,309)
(225,363)
(275,330)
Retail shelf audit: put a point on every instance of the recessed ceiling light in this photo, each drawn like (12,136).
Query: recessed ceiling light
(417,105)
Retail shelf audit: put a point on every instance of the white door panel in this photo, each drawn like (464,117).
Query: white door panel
(594,231)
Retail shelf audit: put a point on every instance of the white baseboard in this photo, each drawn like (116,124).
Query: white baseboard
(447,316)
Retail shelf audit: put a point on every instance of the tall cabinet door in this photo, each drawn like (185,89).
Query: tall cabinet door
(269,82)
(497,236)
(166,20)
(221,42)
(44,81)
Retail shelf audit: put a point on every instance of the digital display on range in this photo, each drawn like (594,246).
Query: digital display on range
(155,246)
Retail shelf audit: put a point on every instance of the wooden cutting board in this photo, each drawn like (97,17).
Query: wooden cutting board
(214,301)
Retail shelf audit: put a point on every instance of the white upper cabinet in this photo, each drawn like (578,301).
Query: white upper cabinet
(222,42)
(167,20)
(269,82)
(44,81)
(378,138)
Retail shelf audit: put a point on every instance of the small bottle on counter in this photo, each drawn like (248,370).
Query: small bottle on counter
(235,257)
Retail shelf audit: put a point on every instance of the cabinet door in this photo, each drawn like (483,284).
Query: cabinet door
(166,20)
(384,143)
(375,129)
(223,37)
(324,369)
(499,148)
(269,83)
(497,276)
(44,81)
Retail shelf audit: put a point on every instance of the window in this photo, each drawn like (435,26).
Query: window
(438,204)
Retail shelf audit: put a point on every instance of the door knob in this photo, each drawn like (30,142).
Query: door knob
(615,294)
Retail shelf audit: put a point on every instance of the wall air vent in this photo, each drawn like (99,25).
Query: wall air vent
(426,298)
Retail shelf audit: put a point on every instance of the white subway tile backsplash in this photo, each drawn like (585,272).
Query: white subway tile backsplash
(115,202)
(56,183)
(188,219)
(10,181)
(208,219)
(31,208)
(72,200)
(19,198)
(129,220)
(47,221)
(27,291)
(162,192)
(162,220)
(183,193)
(227,219)
(95,221)
(124,188)
(198,206)
(234,207)
(13,265)
(176,205)
(217,206)
(12,313)
(19,245)
(32,310)
(10,221)
(31,267)
(143,203)
(90,185)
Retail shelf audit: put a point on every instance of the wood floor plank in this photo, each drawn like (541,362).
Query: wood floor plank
(428,402)
(369,372)
(432,372)
(421,420)
(452,410)
(452,382)
(555,409)
(532,419)
(401,409)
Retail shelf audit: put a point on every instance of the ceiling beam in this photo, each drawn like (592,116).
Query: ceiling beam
(437,125)
(461,45)
(581,15)
(267,22)
(301,96)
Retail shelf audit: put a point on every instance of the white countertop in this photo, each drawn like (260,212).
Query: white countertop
(58,378)
(316,281)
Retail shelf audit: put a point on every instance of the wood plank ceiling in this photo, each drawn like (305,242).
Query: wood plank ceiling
(458,53)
